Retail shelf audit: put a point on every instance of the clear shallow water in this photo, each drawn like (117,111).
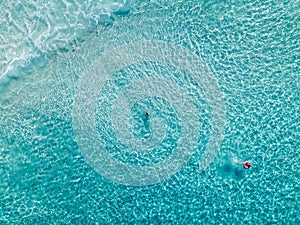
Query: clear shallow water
(250,48)
(32,31)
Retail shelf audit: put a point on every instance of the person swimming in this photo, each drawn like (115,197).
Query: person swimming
(246,164)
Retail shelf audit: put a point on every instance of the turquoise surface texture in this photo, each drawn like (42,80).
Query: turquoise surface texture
(143,112)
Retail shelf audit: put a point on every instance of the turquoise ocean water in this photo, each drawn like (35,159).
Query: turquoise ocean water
(220,79)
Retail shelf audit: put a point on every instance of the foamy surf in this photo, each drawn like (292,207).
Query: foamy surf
(32,31)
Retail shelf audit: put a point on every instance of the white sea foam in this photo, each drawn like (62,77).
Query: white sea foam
(31,30)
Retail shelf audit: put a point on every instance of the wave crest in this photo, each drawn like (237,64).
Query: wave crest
(30,31)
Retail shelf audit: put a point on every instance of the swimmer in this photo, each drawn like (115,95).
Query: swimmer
(246,164)
(147,113)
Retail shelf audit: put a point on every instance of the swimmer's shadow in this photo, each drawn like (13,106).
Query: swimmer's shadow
(231,170)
